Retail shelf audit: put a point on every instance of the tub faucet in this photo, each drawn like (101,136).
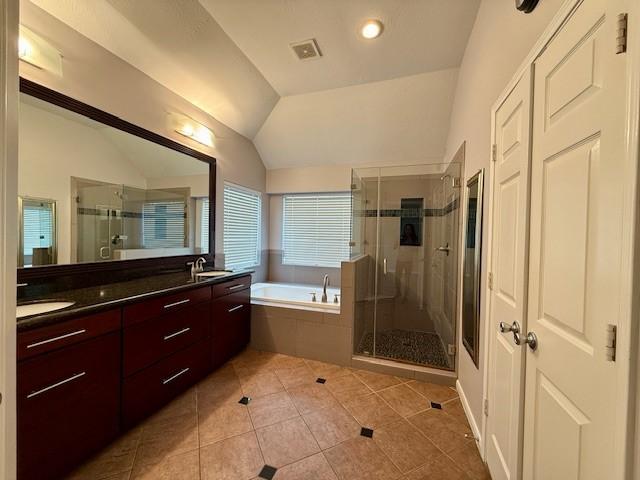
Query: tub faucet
(324,288)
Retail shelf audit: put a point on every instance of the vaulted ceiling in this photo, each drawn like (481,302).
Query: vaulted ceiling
(379,100)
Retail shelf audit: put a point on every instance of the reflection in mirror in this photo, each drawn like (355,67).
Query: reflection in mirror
(37,232)
(471,268)
(111,195)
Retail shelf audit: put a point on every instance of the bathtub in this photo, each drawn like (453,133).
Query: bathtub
(298,296)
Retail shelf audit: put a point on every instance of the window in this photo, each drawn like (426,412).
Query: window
(163,224)
(38,236)
(242,210)
(316,229)
(202,231)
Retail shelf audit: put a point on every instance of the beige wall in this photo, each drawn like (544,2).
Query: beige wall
(97,77)
(500,40)
(328,178)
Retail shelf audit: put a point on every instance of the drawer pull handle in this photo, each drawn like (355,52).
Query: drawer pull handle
(175,304)
(235,287)
(56,385)
(173,377)
(55,339)
(175,334)
(231,310)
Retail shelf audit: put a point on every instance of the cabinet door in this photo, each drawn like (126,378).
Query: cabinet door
(231,325)
(68,406)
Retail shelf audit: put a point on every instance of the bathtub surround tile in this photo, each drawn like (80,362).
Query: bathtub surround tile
(434,392)
(314,467)
(286,442)
(236,458)
(371,411)
(219,422)
(312,397)
(276,334)
(361,459)
(446,433)
(271,409)
(331,426)
(405,445)
(185,466)
(404,400)
(377,381)
(327,343)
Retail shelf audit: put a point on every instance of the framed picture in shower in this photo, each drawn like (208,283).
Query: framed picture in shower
(471,267)
(412,212)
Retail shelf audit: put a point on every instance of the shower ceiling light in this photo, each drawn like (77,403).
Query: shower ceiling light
(371,29)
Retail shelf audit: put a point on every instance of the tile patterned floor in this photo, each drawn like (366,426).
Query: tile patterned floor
(307,430)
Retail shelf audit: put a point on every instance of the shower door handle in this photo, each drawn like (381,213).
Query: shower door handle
(384,266)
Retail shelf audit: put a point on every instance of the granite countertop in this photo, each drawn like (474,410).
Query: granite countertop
(101,297)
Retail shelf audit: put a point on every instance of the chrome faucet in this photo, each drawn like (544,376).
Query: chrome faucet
(324,288)
(200,264)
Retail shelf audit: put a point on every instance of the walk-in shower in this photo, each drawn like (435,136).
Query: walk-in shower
(405,236)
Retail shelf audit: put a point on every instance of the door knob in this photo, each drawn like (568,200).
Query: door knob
(531,340)
(506,328)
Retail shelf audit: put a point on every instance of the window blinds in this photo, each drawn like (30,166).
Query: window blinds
(316,229)
(242,210)
(37,227)
(204,225)
(163,224)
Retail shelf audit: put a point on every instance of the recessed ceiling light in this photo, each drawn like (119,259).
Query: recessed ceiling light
(371,29)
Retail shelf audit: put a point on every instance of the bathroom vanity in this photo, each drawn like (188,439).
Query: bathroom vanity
(90,372)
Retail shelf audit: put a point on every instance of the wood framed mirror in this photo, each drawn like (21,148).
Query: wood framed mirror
(124,197)
(471,269)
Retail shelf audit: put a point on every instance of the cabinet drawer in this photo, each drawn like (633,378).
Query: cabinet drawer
(154,307)
(147,342)
(68,406)
(231,325)
(148,390)
(46,339)
(231,286)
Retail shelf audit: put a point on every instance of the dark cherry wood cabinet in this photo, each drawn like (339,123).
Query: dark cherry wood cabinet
(83,381)
(231,319)
(68,406)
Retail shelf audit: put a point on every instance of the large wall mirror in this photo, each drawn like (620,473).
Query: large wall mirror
(90,192)
(471,267)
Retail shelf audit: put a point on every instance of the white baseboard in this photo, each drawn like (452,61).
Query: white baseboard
(472,422)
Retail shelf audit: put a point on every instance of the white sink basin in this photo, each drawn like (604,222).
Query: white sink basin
(40,307)
(212,274)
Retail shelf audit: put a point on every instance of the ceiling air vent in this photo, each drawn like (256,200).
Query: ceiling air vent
(306,49)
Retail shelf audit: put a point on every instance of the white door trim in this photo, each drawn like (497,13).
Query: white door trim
(8,241)
(629,332)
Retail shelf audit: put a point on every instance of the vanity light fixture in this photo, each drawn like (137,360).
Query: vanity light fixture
(372,29)
(191,129)
(36,51)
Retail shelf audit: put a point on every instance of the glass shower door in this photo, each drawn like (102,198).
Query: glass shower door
(410,227)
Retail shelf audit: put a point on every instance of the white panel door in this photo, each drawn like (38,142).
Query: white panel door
(509,252)
(575,258)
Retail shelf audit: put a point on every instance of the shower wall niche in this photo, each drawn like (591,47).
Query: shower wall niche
(406,234)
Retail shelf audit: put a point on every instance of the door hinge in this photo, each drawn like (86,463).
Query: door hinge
(486,407)
(451,349)
(490,280)
(610,347)
(494,152)
(621,36)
